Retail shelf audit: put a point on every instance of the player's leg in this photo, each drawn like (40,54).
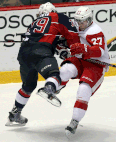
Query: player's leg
(48,68)
(54,81)
(83,96)
(67,71)
(90,81)
(29,78)
(70,69)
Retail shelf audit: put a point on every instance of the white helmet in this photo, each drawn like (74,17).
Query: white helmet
(46,8)
(84,14)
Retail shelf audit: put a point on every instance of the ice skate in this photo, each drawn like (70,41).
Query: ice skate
(71,129)
(58,91)
(48,93)
(16,119)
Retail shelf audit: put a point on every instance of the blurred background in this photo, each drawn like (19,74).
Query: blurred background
(4,3)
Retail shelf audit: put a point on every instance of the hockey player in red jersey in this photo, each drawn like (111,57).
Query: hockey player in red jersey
(36,54)
(91,75)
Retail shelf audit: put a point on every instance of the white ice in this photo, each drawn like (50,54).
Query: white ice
(47,123)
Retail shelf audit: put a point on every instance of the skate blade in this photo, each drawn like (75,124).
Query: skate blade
(13,124)
(68,134)
(53,100)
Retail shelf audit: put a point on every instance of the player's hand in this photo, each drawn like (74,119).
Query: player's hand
(64,54)
(59,48)
(78,48)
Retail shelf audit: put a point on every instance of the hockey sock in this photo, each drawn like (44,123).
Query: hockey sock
(53,81)
(83,96)
(21,99)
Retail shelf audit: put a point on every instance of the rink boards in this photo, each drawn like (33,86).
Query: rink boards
(15,20)
(14,76)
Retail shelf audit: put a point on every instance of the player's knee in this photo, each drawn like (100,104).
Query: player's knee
(29,86)
(48,66)
(84,92)
(68,71)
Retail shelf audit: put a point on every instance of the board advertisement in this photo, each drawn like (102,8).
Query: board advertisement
(15,22)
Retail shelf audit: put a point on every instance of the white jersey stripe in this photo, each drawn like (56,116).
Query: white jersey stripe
(55,22)
(21,99)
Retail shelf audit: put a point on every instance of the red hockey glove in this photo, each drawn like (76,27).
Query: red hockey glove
(78,48)
(86,51)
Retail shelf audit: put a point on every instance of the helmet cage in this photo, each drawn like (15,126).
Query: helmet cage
(83,14)
(89,20)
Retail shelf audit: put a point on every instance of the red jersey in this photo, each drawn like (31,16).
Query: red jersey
(48,28)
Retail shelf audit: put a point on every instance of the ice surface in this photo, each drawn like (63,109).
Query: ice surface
(47,123)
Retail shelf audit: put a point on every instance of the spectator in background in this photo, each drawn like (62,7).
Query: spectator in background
(38,1)
(4,3)
(76,0)
(68,0)
(10,3)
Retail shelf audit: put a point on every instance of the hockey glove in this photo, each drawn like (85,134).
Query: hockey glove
(86,51)
(78,48)
(62,41)
(64,54)
(62,51)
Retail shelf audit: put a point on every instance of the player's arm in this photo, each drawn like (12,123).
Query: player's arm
(95,50)
(28,30)
(62,48)
(67,29)
(23,35)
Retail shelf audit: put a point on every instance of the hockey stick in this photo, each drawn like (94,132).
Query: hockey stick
(25,36)
(89,60)
(99,62)
(96,61)
(10,41)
